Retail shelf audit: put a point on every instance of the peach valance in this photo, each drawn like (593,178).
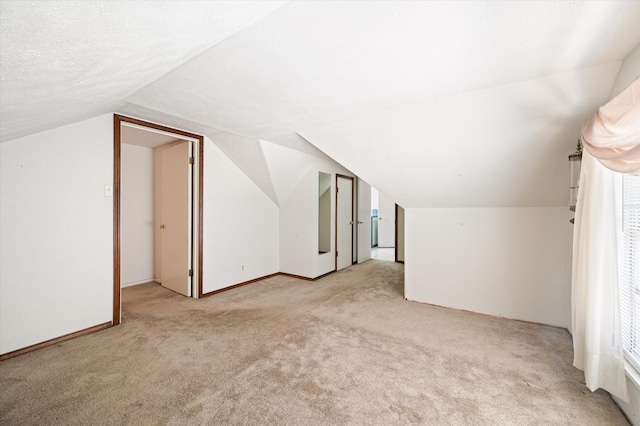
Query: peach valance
(612,134)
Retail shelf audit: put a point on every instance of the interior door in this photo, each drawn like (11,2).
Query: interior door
(364,221)
(176,217)
(399,234)
(386,221)
(344,222)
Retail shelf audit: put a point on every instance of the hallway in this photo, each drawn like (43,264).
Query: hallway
(383,253)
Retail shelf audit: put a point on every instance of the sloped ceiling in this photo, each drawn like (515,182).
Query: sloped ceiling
(504,146)
(62,61)
(287,167)
(435,103)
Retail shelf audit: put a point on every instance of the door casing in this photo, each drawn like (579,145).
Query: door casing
(198,225)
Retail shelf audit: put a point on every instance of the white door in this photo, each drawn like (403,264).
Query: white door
(344,222)
(176,217)
(400,234)
(364,221)
(386,221)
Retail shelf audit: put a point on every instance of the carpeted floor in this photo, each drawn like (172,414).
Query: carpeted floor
(346,349)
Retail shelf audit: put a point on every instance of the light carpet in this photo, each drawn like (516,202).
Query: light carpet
(345,349)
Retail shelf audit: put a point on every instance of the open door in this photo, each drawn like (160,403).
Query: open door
(193,246)
(399,234)
(344,221)
(176,217)
(386,221)
(364,221)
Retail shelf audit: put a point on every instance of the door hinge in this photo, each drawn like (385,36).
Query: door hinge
(190,272)
(190,160)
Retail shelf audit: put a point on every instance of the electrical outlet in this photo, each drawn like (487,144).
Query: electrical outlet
(242,268)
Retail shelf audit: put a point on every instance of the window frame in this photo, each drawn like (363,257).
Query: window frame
(629,244)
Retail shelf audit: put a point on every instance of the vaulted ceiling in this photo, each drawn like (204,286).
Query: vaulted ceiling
(438,104)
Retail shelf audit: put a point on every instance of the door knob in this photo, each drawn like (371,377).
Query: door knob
(350,222)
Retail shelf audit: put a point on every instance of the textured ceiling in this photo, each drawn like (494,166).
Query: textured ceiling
(62,61)
(326,61)
(435,103)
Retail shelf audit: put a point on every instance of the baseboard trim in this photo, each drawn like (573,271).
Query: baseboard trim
(324,275)
(300,277)
(132,283)
(306,278)
(560,327)
(109,324)
(55,340)
(231,287)
(211,293)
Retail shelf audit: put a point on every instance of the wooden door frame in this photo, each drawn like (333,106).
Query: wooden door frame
(395,242)
(336,217)
(117,160)
(396,235)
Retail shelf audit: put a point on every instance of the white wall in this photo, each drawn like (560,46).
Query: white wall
(375,198)
(299,223)
(240,225)
(136,215)
(56,249)
(508,262)
(629,71)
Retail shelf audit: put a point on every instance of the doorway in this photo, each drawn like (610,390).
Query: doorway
(387,228)
(344,221)
(188,209)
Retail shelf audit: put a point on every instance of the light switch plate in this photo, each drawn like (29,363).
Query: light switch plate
(108,190)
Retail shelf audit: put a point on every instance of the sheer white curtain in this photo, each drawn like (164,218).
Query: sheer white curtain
(612,141)
(594,290)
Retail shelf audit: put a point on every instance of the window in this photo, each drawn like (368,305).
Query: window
(629,270)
